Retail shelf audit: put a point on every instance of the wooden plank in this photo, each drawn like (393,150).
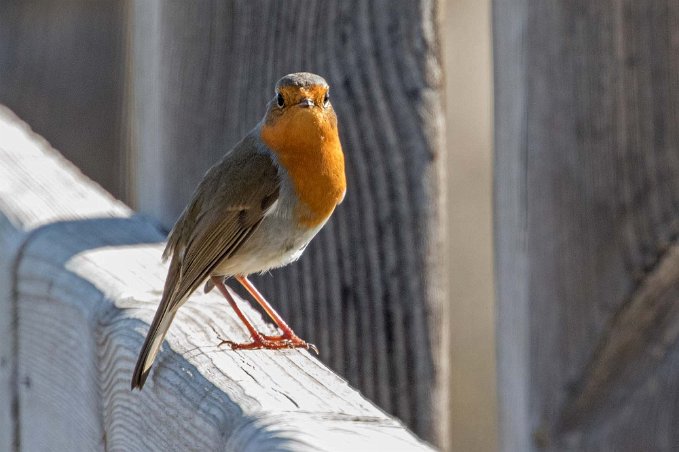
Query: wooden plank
(86,283)
(513,328)
(370,289)
(587,194)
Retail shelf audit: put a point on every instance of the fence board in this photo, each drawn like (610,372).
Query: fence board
(587,224)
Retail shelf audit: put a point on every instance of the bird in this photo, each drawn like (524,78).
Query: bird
(255,210)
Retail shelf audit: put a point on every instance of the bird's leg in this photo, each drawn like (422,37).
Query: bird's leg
(288,335)
(258,339)
(219,284)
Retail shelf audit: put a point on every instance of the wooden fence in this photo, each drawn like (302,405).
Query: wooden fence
(145,96)
(80,278)
(587,224)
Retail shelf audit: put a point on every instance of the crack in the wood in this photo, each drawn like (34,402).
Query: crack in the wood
(287,397)
(214,330)
(249,374)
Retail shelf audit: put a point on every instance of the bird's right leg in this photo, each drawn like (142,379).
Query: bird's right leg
(288,335)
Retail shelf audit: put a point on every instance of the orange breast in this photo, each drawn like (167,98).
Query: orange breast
(307,145)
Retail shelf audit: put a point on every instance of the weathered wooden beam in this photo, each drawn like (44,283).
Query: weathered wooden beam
(81,278)
(587,223)
(513,325)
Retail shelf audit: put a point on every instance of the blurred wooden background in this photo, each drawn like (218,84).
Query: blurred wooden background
(145,96)
(468,63)
(587,223)
(62,69)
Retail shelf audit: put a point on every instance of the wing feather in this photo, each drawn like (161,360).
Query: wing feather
(227,208)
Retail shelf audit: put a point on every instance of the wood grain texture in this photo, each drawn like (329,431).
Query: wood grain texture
(85,283)
(61,69)
(587,224)
(370,289)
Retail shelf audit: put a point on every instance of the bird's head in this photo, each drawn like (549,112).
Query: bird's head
(300,112)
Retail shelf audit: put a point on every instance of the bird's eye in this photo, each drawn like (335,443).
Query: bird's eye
(326,99)
(279,100)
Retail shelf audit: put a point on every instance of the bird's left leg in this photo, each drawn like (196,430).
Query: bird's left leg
(288,335)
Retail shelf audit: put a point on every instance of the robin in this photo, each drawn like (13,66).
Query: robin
(256,209)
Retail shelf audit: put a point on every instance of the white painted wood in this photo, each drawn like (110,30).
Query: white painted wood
(76,310)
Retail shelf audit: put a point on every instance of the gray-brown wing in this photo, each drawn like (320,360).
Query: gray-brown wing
(227,208)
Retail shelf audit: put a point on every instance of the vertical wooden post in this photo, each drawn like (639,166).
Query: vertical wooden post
(62,66)
(513,327)
(369,291)
(587,223)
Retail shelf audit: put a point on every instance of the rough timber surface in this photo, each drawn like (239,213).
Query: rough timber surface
(81,278)
(587,224)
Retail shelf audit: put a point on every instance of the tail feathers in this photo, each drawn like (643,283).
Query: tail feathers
(154,339)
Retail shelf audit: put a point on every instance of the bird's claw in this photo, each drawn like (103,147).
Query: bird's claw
(270,343)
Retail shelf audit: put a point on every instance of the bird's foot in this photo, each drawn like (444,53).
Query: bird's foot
(293,339)
(271,343)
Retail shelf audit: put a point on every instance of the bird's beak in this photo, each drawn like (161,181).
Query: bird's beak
(306,103)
